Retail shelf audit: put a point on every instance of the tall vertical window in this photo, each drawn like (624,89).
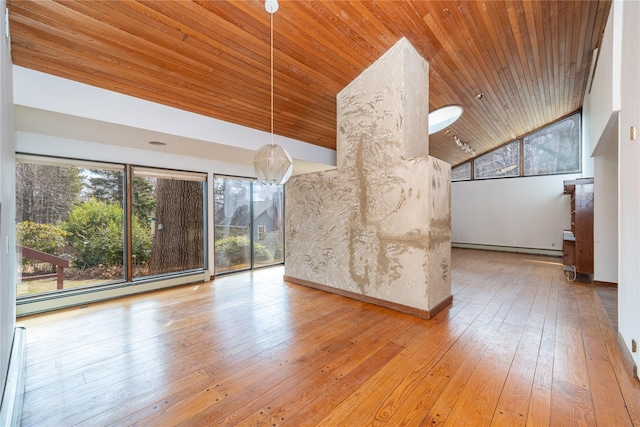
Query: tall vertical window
(167,219)
(268,224)
(232,234)
(248,224)
(553,149)
(70,224)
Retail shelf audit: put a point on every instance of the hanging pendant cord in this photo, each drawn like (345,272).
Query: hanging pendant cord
(271,28)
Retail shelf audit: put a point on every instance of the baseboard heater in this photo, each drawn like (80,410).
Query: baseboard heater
(13,396)
(497,248)
(82,296)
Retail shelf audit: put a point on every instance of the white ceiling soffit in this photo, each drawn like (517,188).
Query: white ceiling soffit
(50,105)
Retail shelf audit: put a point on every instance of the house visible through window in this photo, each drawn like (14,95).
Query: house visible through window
(249,224)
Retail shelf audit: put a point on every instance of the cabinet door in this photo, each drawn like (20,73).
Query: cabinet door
(584,227)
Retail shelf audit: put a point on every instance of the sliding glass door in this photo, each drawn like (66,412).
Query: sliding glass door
(83,223)
(248,224)
(232,224)
(70,224)
(268,224)
(168,211)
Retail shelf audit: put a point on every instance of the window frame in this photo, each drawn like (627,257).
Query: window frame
(521,157)
(126,168)
(542,129)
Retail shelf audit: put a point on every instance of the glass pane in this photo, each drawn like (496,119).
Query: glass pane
(500,163)
(461,172)
(232,233)
(69,226)
(554,149)
(268,224)
(167,224)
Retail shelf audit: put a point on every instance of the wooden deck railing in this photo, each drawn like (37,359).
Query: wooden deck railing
(60,263)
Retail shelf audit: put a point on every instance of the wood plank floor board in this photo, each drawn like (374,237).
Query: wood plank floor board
(490,319)
(571,396)
(519,346)
(539,412)
(482,392)
(317,363)
(393,382)
(516,396)
(251,370)
(144,376)
(609,408)
(473,341)
(436,413)
(162,340)
(283,403)
(628,385)
(401,391)
(251,382)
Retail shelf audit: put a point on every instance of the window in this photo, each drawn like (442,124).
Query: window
(268,220)
(70,221)
(167,221)
(461,172)
(553,149)
(500,163)
(249,224)
(232,232)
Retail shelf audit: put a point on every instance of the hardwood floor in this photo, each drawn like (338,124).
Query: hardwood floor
(519,346)
(609,297)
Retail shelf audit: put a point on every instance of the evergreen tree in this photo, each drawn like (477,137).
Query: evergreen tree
(46,193)
(108,186)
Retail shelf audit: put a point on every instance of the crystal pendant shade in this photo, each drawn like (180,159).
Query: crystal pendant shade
(272,164)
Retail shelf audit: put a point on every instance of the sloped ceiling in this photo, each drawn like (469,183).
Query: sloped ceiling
(531,59)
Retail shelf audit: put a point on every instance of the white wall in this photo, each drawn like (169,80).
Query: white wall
(515,212)
(605,207)
(619,62)
(7,209)
(604,97)
(629,178)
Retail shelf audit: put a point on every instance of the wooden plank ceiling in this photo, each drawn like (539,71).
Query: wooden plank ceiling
(531,59)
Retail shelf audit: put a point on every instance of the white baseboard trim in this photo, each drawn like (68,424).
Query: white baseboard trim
(13,397)
(532,251)
(71,298)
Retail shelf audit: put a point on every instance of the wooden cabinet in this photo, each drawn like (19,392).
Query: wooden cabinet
(577,244)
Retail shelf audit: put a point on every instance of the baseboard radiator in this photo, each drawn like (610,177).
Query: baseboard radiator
(13,396)
(497,248)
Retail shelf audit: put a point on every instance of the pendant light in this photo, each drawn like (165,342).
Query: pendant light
(272,163)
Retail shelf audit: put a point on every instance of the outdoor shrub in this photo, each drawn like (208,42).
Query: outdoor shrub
(234,250)
(41,237)
(95,233)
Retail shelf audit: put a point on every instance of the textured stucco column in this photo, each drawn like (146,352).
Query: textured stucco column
(378,226)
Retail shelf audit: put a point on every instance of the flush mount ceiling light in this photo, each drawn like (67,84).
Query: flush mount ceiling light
(272,163)
(443,117)
(479,96)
